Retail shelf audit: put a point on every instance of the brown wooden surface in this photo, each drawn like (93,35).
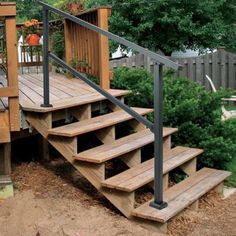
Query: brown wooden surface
(183,194)
(120,146)
(103,50)
(12,77)
(4,127)
(143,174)
(93,172)
(64,92)
(7,9)
(96,123)
(87,50)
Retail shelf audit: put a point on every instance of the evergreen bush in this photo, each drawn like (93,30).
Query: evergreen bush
(195,111)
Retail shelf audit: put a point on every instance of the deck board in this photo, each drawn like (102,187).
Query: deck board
(64,92)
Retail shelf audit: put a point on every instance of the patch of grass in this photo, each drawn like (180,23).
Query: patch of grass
(231,181)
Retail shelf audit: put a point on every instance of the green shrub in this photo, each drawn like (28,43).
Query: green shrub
(139,81)
(58,46)
(188,106)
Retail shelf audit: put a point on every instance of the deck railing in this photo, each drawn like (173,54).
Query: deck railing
(159,62)
(8,12)
(82,44)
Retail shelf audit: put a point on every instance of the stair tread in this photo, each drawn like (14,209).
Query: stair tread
(143,173)
(120,146)
(183,194)
(75,101)
(96,123)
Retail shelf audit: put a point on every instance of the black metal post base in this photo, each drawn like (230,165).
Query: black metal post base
(158,206)
(46,105)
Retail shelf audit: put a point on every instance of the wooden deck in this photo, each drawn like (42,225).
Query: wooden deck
(64,92)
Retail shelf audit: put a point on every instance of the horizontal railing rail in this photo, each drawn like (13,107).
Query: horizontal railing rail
(159,62)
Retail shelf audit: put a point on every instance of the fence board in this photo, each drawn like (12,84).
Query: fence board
(219,65)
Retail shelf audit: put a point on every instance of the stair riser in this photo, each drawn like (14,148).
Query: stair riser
(140,143)
(82,112)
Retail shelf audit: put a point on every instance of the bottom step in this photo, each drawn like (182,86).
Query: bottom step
(183,194)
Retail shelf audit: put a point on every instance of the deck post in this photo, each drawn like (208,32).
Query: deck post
(104,72)
(8,10)
(158,134)
(5,159)
(46,94)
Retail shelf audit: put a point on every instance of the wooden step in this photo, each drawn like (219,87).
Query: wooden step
(96,123)
(183,195)
(73,102)
(120,146)
(143,173)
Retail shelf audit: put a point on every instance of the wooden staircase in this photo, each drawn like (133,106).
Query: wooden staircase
(64,127)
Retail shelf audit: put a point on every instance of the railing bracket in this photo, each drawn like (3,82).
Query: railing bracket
(158,206)
(46,105)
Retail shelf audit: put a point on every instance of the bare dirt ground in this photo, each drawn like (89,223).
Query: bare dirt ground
(54,200)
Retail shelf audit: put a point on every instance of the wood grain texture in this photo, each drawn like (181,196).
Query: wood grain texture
(104,71)
(183,194)
(64,92)
(143,173)
(120,146)
(96,123)
(12,74)
(7,9)
(4,127)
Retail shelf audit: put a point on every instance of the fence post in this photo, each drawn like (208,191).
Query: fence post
(46,94)
(158,202)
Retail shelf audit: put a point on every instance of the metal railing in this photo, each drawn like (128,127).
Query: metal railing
(159,62)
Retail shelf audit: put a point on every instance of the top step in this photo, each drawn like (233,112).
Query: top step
(96,123)
(183,195)
(73,102)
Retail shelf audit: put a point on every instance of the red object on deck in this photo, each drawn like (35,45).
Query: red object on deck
(33,39)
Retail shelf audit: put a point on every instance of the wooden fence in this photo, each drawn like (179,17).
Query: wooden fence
(219,65)
(86,50)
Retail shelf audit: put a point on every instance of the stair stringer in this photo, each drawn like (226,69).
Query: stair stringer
(94,173)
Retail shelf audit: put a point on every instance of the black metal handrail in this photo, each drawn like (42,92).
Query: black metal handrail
(159,61)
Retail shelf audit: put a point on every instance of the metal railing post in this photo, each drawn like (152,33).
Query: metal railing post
(46,94)
(158,134)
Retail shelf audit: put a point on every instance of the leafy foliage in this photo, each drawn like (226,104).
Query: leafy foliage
(30,9)
(190,107)
(137,80)
(58,45)
(174,25)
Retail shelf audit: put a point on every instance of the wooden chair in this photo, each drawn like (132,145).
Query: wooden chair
(225,114)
